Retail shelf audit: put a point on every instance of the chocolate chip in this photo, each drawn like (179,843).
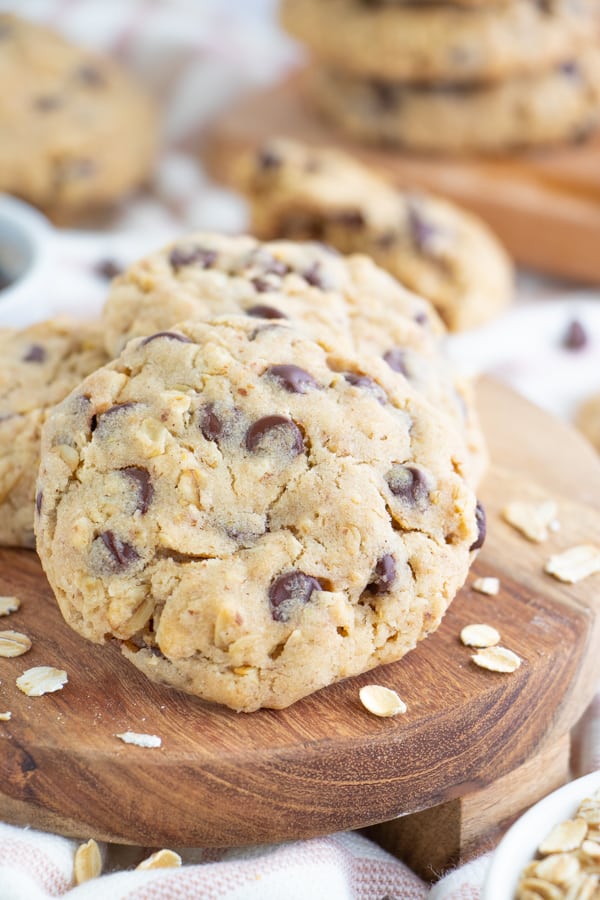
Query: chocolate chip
(293,378)
(261,428)
(291,590)
(368,383)
(187,256)
(39,498)
(108,269)
(36,353)
(262,311)
(387,239)
(421,318)
(211,425)
(118,407)
(141,477)
(261,285)
(422,232)
(90,75)
(47,103)
(570,69)
(268,159)
(408,484)
(396,360)
(384,575)
(386,94)
(314,276)
(123,554)
(350,218)
(575,336)
(170,335)
(276,267)
(481,527)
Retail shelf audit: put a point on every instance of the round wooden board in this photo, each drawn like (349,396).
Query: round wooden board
(324,764)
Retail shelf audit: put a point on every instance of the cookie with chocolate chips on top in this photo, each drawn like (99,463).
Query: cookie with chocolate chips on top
(433,247)
(40,366)
(251,515)
(77,133)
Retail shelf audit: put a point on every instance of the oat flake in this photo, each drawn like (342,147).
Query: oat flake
(162,859)
(479,636)
(5,716)
(41,680)
(140,740)
(88,862)
(9,605)
(533,520)
(497,659)
(381,701)
(574,564)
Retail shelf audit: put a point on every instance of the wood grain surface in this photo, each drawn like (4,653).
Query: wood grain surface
(544,205)
(324,764)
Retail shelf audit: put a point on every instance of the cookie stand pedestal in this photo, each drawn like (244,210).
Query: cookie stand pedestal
(474,748)
(544,205)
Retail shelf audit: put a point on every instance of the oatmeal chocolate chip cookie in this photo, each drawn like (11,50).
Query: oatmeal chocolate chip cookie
(344,303)
(588,419)
(419,43)
(434,248)
(40,366)
(252,516)
(77,134)
(561,104)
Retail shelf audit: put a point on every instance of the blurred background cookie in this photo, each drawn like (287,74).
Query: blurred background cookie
(76,134)
(433,247)
(588,419)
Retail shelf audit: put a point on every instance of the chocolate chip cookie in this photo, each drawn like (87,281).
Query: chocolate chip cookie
(251,515)
(346,303)
(40,366)
(434,248)
(77,134)
(560,104)
(418,42)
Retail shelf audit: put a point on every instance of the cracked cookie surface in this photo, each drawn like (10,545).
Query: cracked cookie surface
(40,366)
(252,515)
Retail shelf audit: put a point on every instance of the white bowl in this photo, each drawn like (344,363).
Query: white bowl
(519,845)
(25,237)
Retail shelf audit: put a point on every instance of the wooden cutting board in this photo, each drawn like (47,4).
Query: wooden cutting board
(324,764)
(544,205)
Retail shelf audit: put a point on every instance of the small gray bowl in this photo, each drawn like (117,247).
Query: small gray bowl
(25,237)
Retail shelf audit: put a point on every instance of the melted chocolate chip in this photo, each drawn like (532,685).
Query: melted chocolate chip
(187,256)
(293,378)
(262,311)
(570,69)
(141,478)
(276,267)
(422,232)
(385,94)
(47,103)
(408,484)
(575,337)
(291,590)
(36,353)
(384,575)
(421,318)
(261,428)
(118,407)
(313,276)
(350,218)
(268,159)
(481,527)
(39,499)
(90,75)
(387,239)
(368,383)
(108,269)
(170,335)
(123,554)
(211,425)
(262,286)
(396,360)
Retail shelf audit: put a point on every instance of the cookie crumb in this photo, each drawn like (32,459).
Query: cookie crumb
(13,643)
(88,862)
(9,605)
(497,659)
(487,585)
(533,520)
(381,701)
(575,564)
(41,680)
(140,740)
(479,635)
(5,716)
(162,859)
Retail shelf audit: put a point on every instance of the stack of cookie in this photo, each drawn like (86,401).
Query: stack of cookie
(272,485)
(454,76)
